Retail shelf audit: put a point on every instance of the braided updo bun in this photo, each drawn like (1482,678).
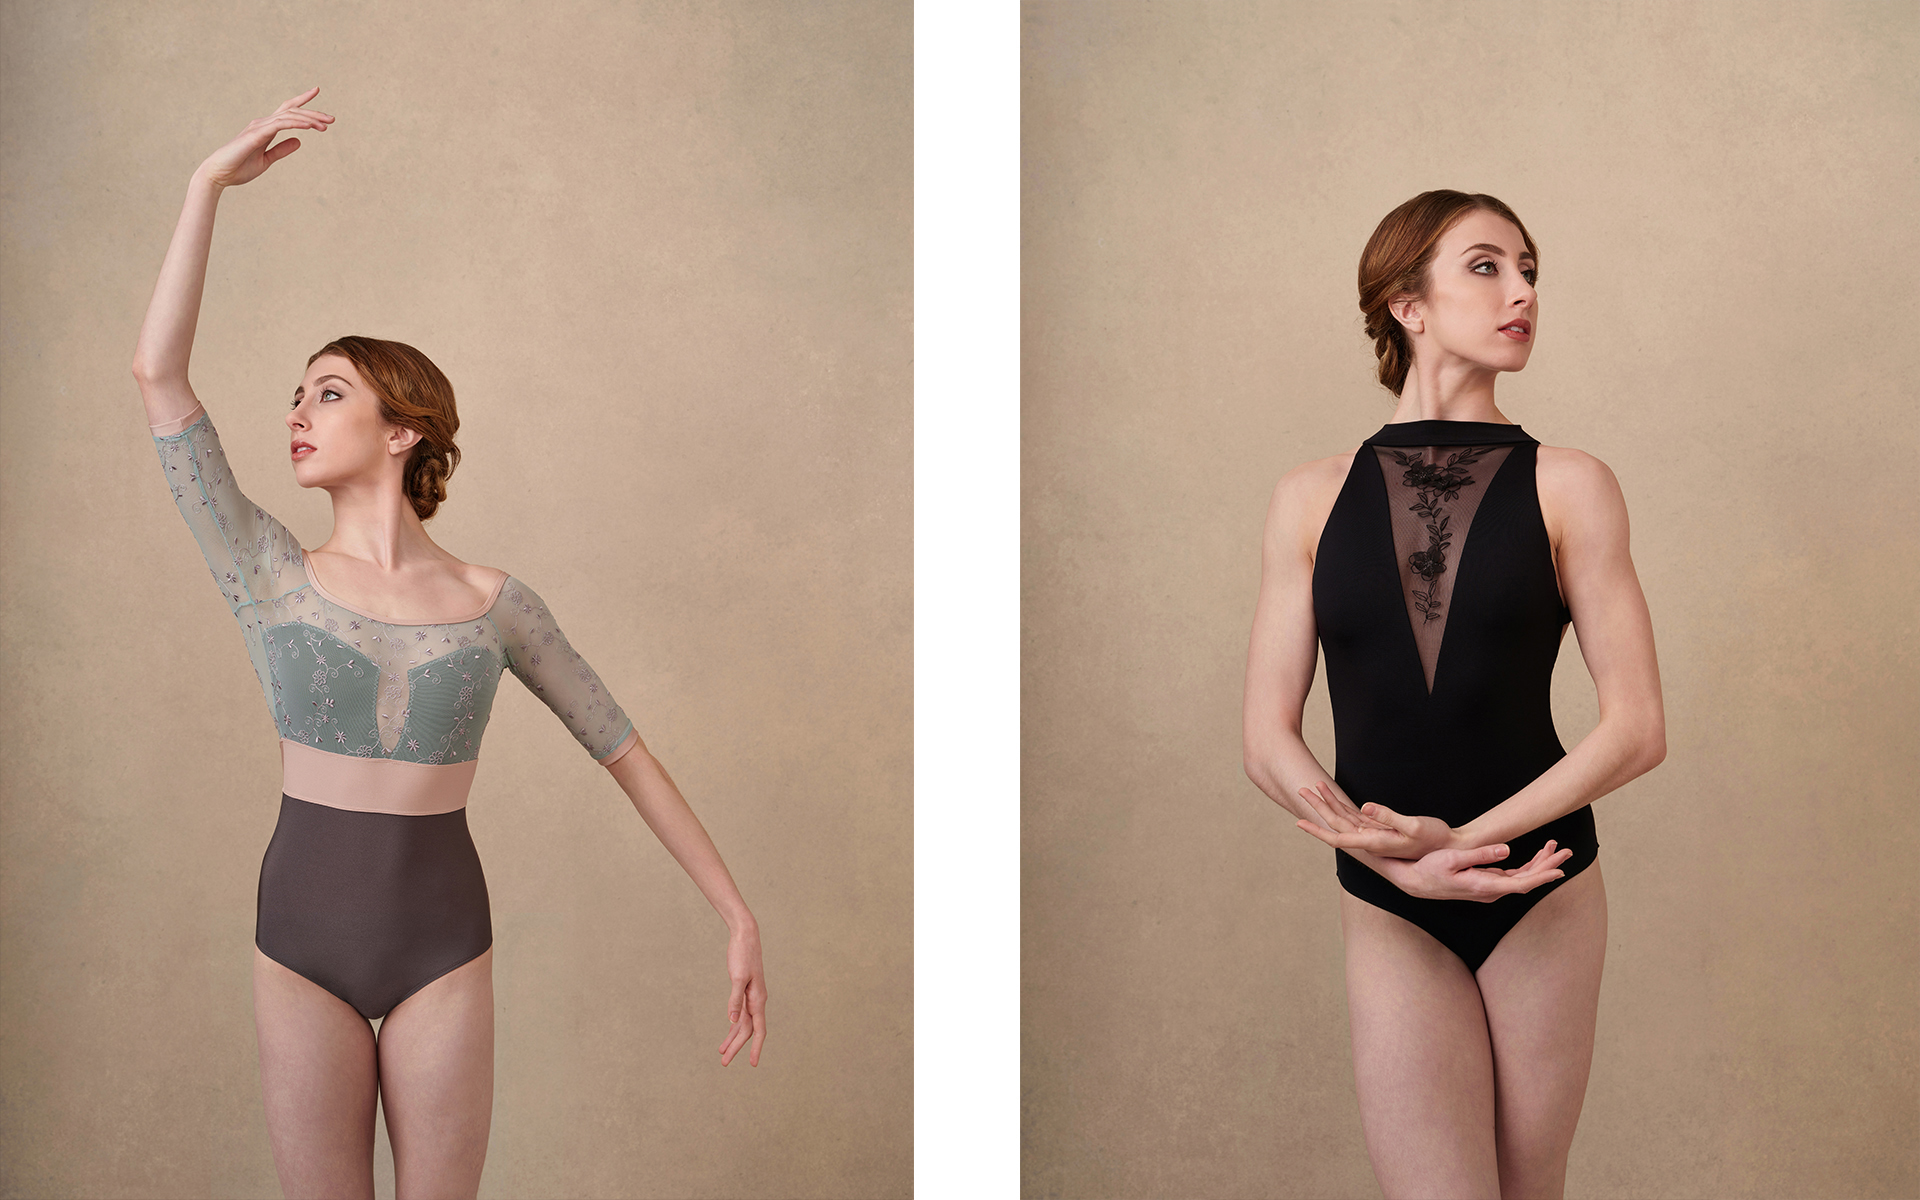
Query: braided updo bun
(413,393)
(1395,264)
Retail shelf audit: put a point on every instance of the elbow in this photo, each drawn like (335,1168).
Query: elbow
(1653,747)
(1259,769)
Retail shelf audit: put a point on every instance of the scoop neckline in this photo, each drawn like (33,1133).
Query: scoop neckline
(306,560)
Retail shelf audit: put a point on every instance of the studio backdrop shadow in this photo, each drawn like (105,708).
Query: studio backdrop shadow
(1724,209)
(663,252)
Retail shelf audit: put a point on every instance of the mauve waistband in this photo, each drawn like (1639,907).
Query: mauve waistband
(382,785)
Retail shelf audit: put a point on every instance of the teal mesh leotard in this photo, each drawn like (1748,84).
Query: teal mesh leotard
(370,886)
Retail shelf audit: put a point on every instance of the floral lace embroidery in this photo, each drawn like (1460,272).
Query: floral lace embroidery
(1435,484)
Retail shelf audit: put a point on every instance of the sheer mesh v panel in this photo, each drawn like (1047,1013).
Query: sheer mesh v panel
(1432,494)
(348,683)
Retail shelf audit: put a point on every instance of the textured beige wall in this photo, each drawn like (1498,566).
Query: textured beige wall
(664,253)
(1725,205)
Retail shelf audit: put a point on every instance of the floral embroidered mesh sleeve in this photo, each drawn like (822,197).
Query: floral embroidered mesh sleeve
(540,655)
(373,714)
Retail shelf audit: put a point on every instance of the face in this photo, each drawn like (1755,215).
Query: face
(1480,284)
(337,414)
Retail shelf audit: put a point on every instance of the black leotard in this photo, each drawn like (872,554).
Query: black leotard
(1436,543)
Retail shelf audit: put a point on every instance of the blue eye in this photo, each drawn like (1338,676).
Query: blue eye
(324,392)
(1530,274)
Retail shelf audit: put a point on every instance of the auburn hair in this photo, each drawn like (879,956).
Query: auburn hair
(1397,262)
(415,394)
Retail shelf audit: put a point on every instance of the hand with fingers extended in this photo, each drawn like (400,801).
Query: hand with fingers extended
(1423,856)
(1374,828)
(747,1003)
(248,154)
(1461,875)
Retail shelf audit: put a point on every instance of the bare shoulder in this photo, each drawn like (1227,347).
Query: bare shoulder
(1304,498)
(1578,492)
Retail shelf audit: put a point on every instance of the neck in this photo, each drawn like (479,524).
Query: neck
(376,524)
(1453,391)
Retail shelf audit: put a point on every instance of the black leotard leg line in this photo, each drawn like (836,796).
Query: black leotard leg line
(371,906)
(1441,618)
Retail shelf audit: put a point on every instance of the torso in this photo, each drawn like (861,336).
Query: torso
(1329,475)
(427,595)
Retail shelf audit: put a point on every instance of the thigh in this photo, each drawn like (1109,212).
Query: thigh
(1541,987)
(436,1082)
(1421,1059)
(318,1076)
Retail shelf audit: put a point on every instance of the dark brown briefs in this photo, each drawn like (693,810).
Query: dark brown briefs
(371,906)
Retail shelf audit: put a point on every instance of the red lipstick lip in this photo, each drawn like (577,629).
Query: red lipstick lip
(296,447)
(1526,330)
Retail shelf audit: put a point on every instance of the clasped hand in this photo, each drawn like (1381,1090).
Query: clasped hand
(1424,856)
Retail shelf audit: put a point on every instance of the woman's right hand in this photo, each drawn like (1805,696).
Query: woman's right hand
(247,155)
(1463,875)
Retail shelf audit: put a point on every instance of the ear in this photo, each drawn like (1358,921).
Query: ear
(1406,310)
(402,440)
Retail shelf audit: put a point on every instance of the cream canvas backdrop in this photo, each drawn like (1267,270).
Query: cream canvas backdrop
(1723,195)
(663,251)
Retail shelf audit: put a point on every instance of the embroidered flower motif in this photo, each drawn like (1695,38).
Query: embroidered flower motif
(1436,483)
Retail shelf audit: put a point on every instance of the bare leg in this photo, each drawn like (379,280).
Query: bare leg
(1422,1060)
(1541,987)
(436,1083)
(319,1076)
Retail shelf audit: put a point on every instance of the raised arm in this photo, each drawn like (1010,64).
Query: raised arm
(166,336)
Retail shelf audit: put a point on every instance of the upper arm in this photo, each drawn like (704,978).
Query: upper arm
(1283,649)
(540,656)
(170,402)
(245,547)
(1602,589)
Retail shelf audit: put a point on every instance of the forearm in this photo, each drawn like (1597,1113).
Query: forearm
(166,336)
(1280,763)
(1614,753)
(671,818)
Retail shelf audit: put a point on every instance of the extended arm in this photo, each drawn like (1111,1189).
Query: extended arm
(1616,639)
(667,813)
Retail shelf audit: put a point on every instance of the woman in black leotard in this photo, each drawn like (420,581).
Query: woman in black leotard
(1437,566)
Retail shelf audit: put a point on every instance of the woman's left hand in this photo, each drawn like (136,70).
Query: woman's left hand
(1374,828)
(747,1004)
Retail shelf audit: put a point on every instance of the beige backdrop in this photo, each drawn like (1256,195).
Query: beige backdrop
(664,253)
(1724,204)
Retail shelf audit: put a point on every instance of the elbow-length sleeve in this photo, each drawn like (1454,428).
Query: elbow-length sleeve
(540,655)
(245,547)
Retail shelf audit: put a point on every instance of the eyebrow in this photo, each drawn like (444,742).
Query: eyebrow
(1489,246)
(301,388)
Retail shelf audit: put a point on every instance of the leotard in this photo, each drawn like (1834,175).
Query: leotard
(370,885)
(1436,543)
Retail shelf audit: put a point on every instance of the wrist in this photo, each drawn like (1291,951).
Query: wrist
(1460,837)
(740,923)
(202,181)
